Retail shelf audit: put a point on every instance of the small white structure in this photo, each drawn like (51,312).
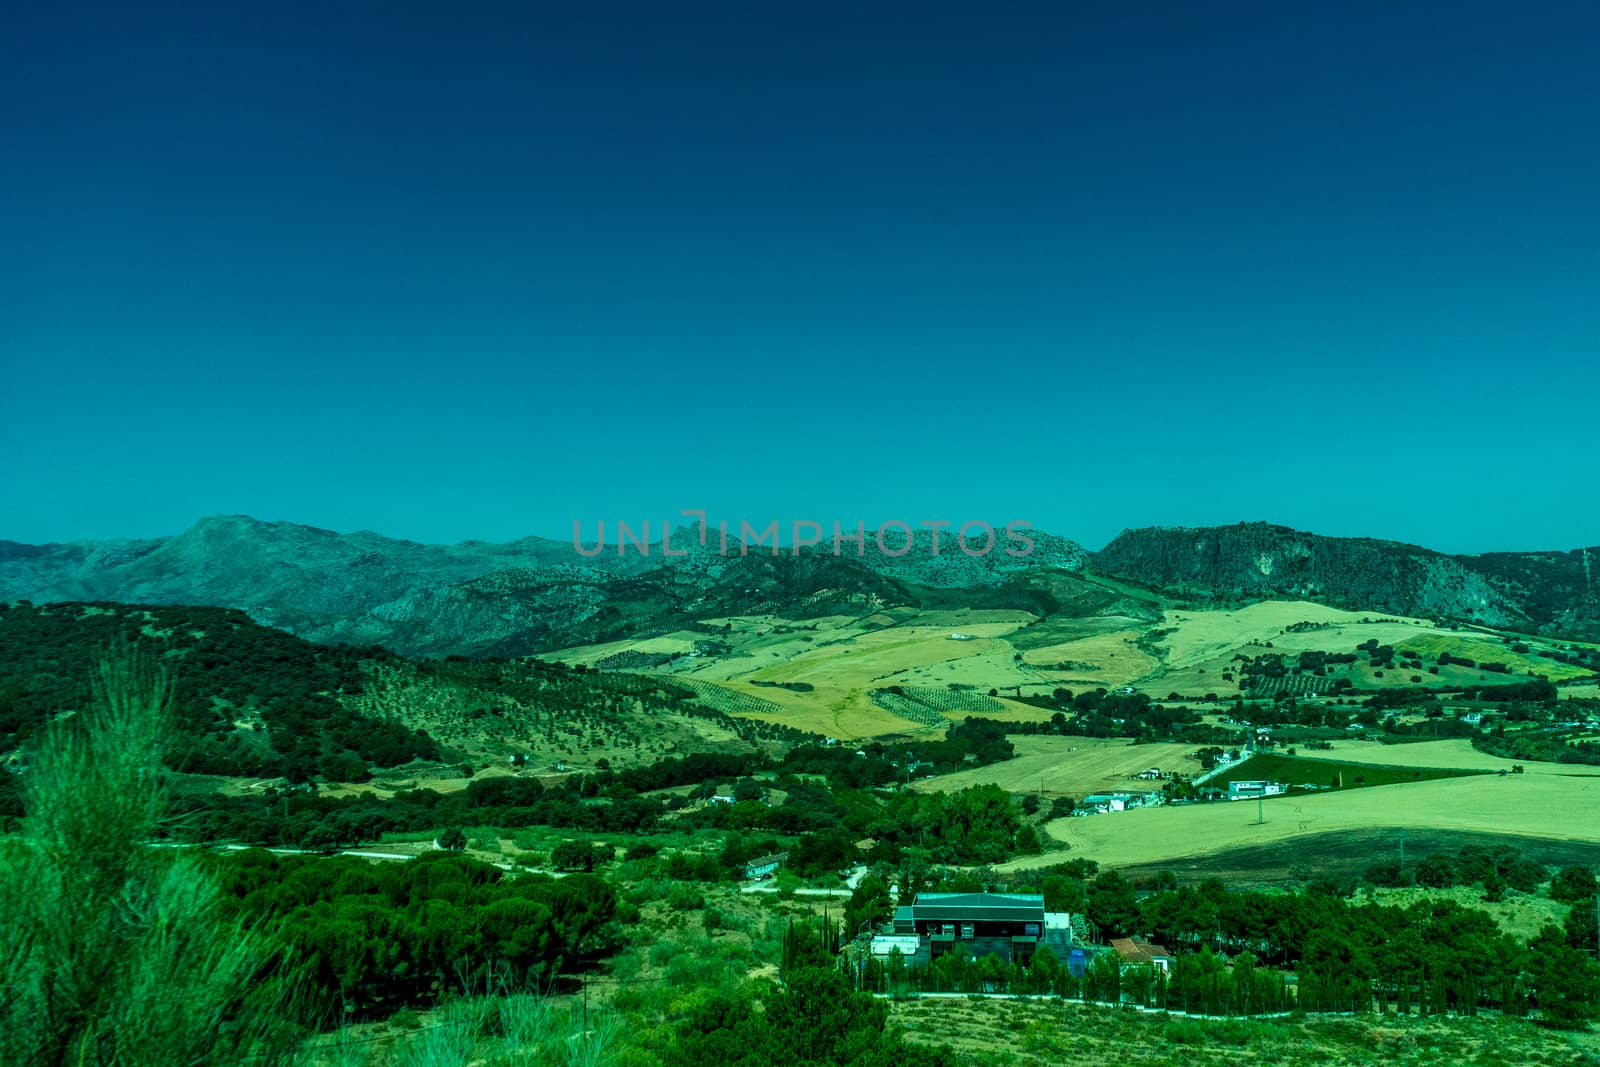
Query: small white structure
(1247,790)
(1100,802)
(960,637)
(884,944)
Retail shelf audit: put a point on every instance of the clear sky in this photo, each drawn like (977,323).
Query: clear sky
(452,275)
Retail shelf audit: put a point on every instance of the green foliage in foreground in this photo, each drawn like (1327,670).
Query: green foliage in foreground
(814,1018)
(113,952)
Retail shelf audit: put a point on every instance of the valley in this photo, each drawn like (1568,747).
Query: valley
(737,764)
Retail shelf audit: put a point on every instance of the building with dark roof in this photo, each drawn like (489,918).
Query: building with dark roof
(1009,925)
(764,866)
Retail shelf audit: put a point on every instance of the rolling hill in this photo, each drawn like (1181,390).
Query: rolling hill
(1551,593)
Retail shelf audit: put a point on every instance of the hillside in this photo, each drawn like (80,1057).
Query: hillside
(1551,593)
(517,598)
(250,700)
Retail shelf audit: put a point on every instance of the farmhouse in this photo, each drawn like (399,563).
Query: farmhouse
(1102,802)
(1135,950)
(764,866)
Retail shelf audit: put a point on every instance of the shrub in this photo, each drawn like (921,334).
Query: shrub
(91,981)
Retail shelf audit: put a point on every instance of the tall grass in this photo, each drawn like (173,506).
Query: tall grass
(112,951)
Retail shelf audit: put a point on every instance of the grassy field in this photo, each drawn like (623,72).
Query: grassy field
(1325,773)
(1484,651)
(1198,636)
(1071,766)
(1108,659)
(1543,805)
(1039,1033)
(1455,752)
(1199,646)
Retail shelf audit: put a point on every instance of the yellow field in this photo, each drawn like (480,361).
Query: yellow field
(1199,636)
(1072,766)
(1110,660)
(1552,806)
(1453,753)
(845,658)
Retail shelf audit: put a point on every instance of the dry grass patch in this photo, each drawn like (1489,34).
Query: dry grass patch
(1071,766)
(1455,753)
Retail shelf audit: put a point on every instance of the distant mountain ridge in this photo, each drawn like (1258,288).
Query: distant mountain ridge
(1554,593)
(537,594)
(520,597)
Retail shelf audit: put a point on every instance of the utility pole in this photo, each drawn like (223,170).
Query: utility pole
(1260,816)
(586,1003)
(1402,849)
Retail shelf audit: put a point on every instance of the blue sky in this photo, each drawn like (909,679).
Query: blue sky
(1092,266)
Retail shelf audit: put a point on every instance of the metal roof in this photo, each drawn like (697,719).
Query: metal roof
(990,907)
(982,900)
(767,861)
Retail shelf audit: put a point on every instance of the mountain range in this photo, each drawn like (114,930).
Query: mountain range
(537,594)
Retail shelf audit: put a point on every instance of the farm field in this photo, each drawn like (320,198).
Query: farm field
(844,659)
(1109,659)
(1455,752)
(1488,651)
(1560,808)
(1198,647)
(1198,636)
(1294,771)
(1072,766)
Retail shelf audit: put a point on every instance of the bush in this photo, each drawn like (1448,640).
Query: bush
(681,897)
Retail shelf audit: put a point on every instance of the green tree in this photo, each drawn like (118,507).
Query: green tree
(1112,904)
(870,902)
(454,839)
(1566,983)
(575,856)
(1437,870)
(1572,884)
